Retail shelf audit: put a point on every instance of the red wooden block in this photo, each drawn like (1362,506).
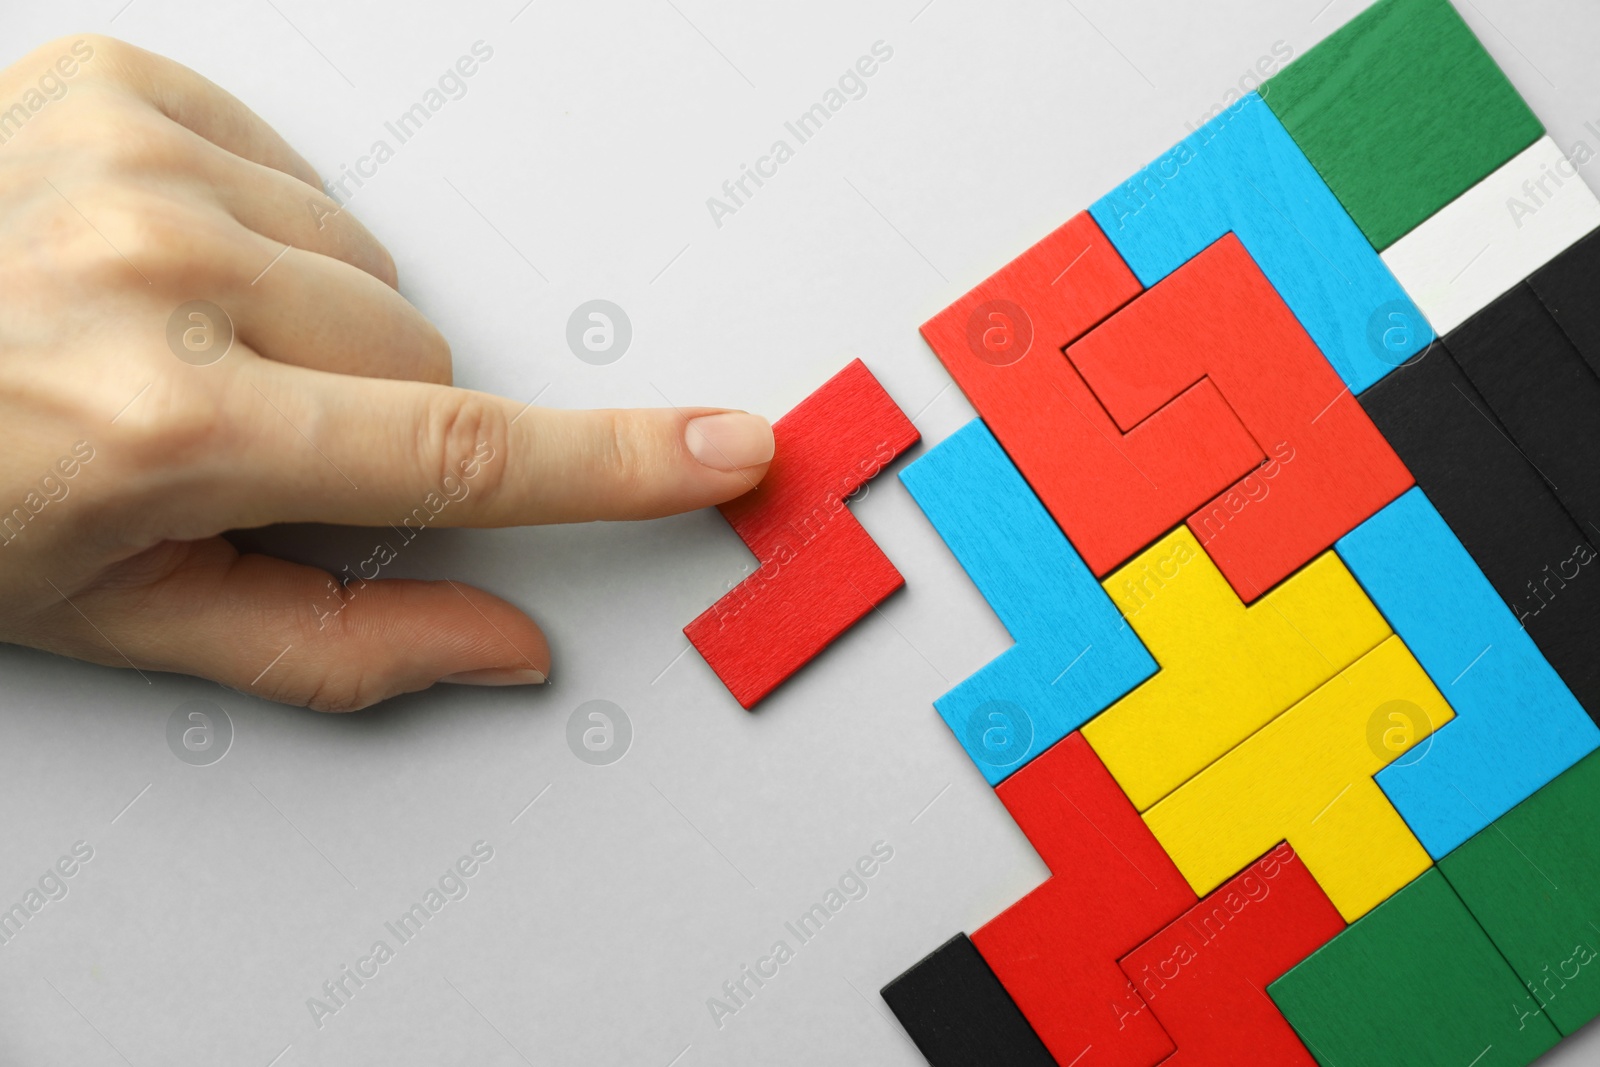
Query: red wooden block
(1218,320)
(1111,886)
(1205,976)
(1112,492)
(819,571)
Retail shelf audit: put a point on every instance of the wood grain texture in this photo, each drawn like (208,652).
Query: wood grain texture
(1218,318)
(1401,111)
(1500,509)
(1416,982)
(1542,391)
(819,571)
(1226,669)
(1567,286)
(1110,888)
(1241,173)
(1073,654)
(1112,492)
(1494,235)
(1203,976)
(958,1013)
(1516,726)
(1306,777)
(1533,882)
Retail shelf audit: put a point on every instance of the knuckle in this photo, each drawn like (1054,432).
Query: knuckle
(340,689)
(173,427)
(465,435)
(117,54)
(137,240)
(624,459)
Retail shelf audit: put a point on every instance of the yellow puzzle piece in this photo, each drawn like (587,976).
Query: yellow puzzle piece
(1226,669)
(1307,777)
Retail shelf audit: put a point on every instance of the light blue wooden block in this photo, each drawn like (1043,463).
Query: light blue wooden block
(1074,655)
(1517,725)
(1241,172)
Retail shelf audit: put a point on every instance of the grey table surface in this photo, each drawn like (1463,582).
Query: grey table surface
(576,163)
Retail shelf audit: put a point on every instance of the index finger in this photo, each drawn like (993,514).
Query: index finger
(312,446)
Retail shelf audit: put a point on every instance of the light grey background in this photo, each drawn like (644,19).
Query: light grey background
(577,167)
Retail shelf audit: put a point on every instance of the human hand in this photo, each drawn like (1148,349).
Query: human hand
(129,185)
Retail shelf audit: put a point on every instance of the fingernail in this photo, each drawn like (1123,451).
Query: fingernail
(497,676)
(730,440)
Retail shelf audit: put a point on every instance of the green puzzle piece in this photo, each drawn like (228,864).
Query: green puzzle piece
(1532,879)
(1401,111)
(1414,982)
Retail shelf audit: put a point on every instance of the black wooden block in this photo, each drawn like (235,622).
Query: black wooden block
(959,1014)
(1569,286)
(1529,548)
(1544,394)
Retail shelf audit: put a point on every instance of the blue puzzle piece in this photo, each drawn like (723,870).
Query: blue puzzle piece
(1517,725)
(1074,655)
(1241,172)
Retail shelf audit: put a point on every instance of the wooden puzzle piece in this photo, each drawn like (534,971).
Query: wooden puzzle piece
(1401,110)
(1226,670)
(1529,548)
(1218,318)
(1516,726)
(1205,977)
(819,570)
(1242,173)
(1415,982)
(1494,235)
(958,1013)
(1306,777)
(1110,491)
(1111,886)
(1532,880)
(1544,394)
(1567,287)
(1073,654)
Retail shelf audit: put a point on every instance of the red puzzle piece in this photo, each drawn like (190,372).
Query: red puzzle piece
(1205,976)
(1111,886)
(1111,492)
(820,571)
(1217,319)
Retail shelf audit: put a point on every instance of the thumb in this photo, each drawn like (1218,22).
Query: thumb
(291,633)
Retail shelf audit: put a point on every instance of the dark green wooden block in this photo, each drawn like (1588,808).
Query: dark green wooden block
(1414,982)
(1532,880)
(1401,110)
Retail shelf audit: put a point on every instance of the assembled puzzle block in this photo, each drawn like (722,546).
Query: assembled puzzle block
(1516,726)
(1415,982)
(1109,490)
(1306,777)
(1544,394)
(1567,287)
(1401,111)
(958,1013)
(1532,880)
(1218,318)
(1226,670)
(1205,976)
(1529,548)
(1241,173)
(819,570)
(1111,886)
(1457,262)
(1073,653)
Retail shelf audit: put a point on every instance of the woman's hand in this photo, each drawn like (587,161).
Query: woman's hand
(131,188)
